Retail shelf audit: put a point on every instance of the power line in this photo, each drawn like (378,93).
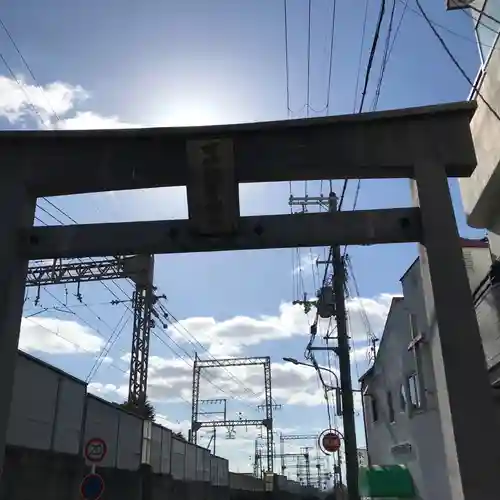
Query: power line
(367,80)
(330,64)
(28,67)
(113,338)
(446,28)
(78,347)
(287,66)
(385,57)
(167,315)
(454,60)
(23,90)
(360,59)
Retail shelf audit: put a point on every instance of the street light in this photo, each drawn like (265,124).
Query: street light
(338,403)
(296,362)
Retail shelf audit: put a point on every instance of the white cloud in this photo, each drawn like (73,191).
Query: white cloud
(52,105)
(88,120)
(368,312)
(57,336)
(19,100)
(170,380)
(111,391)
(307,264)
(229,337)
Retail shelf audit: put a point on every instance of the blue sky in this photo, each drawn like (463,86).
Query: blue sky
(123,63)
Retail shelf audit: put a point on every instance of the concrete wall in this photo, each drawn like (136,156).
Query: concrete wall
(47,408)
(52,417)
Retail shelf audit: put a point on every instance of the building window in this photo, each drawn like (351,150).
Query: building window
(414,392)
(390,406)
(374,406)
(468,260)
(402,399)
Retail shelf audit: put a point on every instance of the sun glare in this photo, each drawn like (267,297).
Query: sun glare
(193,115)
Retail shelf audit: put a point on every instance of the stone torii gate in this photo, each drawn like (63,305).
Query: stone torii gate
(426,145)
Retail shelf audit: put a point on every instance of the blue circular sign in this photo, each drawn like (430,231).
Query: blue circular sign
(92,487)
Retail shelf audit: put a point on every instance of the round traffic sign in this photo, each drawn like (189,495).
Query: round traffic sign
(95,450)
(92,487)
(331,442)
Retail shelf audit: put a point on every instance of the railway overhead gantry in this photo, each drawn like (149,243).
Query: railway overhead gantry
(426,145)
(139,269)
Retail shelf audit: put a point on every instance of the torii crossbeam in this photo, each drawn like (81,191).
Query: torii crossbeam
(426,145)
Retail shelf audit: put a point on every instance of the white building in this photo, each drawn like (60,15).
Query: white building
(481,192)
(402,420)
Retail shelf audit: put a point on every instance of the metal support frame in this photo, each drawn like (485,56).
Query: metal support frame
(137,268)
(214,401)
(267,422)
(426,144)
(292,437)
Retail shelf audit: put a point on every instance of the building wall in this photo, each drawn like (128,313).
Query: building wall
(494,239)
(481,192)
(425,423)
(416,437)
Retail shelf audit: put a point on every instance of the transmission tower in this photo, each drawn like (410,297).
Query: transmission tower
(139,269)
(267,422)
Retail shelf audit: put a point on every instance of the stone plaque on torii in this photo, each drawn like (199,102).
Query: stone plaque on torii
(426,145)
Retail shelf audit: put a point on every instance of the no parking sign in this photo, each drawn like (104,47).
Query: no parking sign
(92,487)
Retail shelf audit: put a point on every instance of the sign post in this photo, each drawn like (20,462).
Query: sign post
(95,451)
(92,485)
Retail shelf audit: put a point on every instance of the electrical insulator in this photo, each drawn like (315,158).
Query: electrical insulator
(326,302)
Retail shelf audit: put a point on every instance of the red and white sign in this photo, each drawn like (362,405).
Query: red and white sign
(331,442)
(95,450)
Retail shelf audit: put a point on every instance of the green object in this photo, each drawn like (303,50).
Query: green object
(386,481)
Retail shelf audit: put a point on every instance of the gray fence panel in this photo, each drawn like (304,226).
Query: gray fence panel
(129,441)
(213,470)
(69,417)
(190,473)
(222,472)
(156,448)
(199,463)
(178,464)
(102,421)
(33,406)
(206,466)
(166,450)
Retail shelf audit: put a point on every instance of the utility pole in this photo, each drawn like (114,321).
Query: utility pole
(331,302)
(351,449)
